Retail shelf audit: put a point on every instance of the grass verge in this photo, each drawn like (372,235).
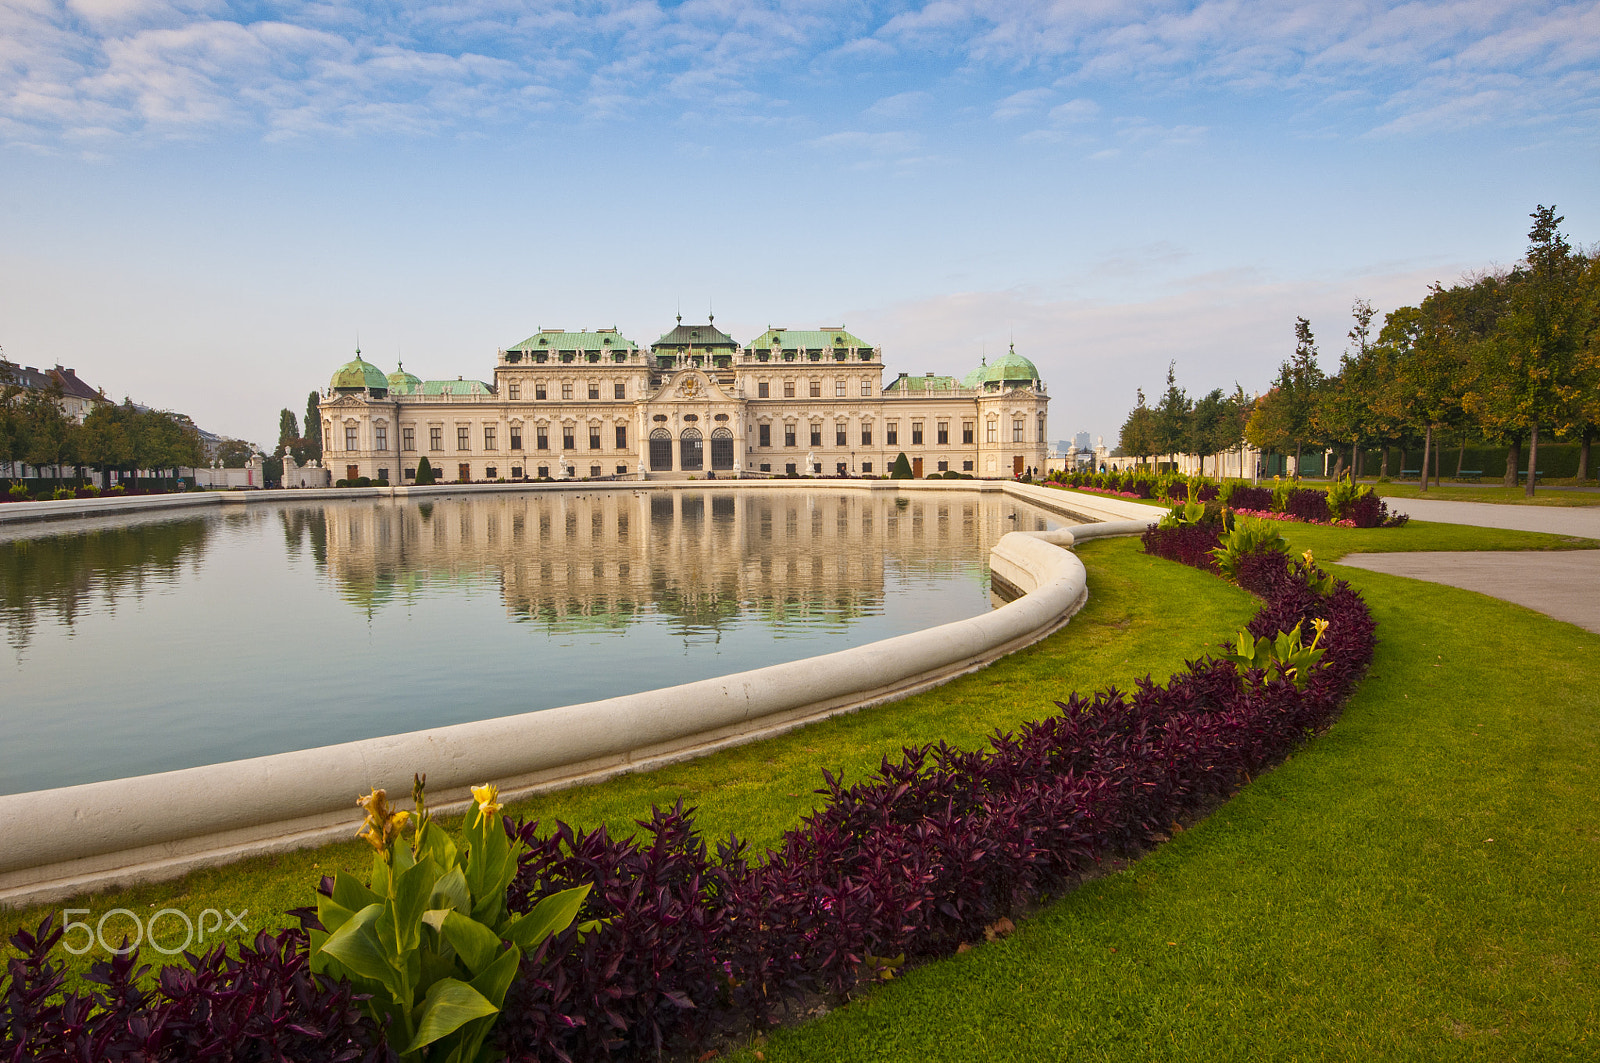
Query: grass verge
(1418,883)
(1511,496)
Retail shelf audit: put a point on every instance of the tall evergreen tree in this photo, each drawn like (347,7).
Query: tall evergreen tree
(313,436)
(288,430)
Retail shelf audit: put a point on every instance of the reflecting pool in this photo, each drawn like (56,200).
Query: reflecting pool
(161,643)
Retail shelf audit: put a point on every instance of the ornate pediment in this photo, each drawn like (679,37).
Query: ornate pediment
(692,385)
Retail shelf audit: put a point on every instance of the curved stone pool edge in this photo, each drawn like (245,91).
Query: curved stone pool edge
(67,841)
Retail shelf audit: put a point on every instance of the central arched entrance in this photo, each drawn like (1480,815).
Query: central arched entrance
(722,449)
(691,451)
(661,450)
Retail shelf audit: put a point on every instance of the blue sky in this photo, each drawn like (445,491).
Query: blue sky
(203,203)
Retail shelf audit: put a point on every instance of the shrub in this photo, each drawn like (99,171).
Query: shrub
(1370,511)
(19,492)
(1246,540)
(425,474)
(901,470)
(1307,504)
(1244,496)
(341,483)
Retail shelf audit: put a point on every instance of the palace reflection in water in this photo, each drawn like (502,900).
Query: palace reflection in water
(571,560)
(163,643)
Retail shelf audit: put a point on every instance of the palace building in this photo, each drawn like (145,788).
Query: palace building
(595,404)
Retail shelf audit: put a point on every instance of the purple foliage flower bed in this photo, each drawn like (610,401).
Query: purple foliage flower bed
(1307,505)
(1188,544)
(907,864)
(1256,498)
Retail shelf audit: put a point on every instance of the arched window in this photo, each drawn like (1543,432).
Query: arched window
(691,450)
(661,450)
(722,449)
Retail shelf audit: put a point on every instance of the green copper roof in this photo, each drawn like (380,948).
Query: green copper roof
(806,339)
(402,382)
(452,387)
(1012,368)
(705,337)
(974,379)
(922,383)
(554,339)
(359,374)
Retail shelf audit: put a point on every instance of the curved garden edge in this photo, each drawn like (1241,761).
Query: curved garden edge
(67,841)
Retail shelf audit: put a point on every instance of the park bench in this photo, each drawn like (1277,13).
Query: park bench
(1410,474)
(1469,475)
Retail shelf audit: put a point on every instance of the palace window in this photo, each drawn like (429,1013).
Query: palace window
(816,435)
(866,466)
(916,433)
(891,433)
(569,437)
(516,472)
(541,440)
(992,432)
(436,439)
(866,435)
(463,437)
(816,389)
(1041,428)
(544,472)
(513,392)
(966,466)
(1016,430)
(594,389)
(942,429)
(841,435)
(866,387)
(408,438)
(566,392)
(788,435)
(488,438)
(491,472)
(764,434)
(966,431)
(349,438)
(619,391)
(380,437)
(516,443)
(944,466)
(761,390)
(622,437)
(594,438)
(840,388)
(788,389)
(538,392)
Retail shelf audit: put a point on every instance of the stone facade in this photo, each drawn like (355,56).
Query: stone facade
(697,403)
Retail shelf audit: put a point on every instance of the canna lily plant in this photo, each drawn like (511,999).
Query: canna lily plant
(1287,651)
(428,936)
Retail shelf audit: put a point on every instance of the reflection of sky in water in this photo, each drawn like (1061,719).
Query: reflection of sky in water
(175,642)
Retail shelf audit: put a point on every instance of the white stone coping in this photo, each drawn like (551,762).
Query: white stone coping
(66,841)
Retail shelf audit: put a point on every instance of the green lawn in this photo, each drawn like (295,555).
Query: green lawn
(1418,883)
(1449,492)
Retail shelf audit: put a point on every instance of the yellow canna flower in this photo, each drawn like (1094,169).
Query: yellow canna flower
(1319,625)
(1307,558)
(487,797)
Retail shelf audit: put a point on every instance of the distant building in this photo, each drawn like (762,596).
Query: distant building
(1081,441)
(591,404)
(77,398)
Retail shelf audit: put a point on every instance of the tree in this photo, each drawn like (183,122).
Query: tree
(50,437)
(1208,427)
(1300,379)
(233,453)
(1137,438)
(288,430)
(1342,409)
(901,469)
(1172,417)
(313,436)
(424,472)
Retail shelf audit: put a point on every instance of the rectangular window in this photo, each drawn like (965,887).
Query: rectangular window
(513,392)
(1016,430)
(619,391)
(594,437)
(866,435)
(622,437)
(516,472)
(944,466)
(866,387)
(380,437)
(436,439)
(992,433)
(349,439)
(966,431)
(492,472)
(411,474)
(463,438)
(761,390)
(943,432)
(916,433)
(788,435)
(544,472)
(841,435)
(594,390)
(816,435)
(764,434)
(866,466)
(840,388)
(966,466)
(788,389)
(516,441)
(488,439)
(568,438)
(1041,428)
(566,392)
(538,392)
(766,467)
(891,433)
(408,438)
(541,440)
(816,389)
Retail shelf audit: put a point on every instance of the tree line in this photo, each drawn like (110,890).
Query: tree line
(34,430)
(1508,356)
